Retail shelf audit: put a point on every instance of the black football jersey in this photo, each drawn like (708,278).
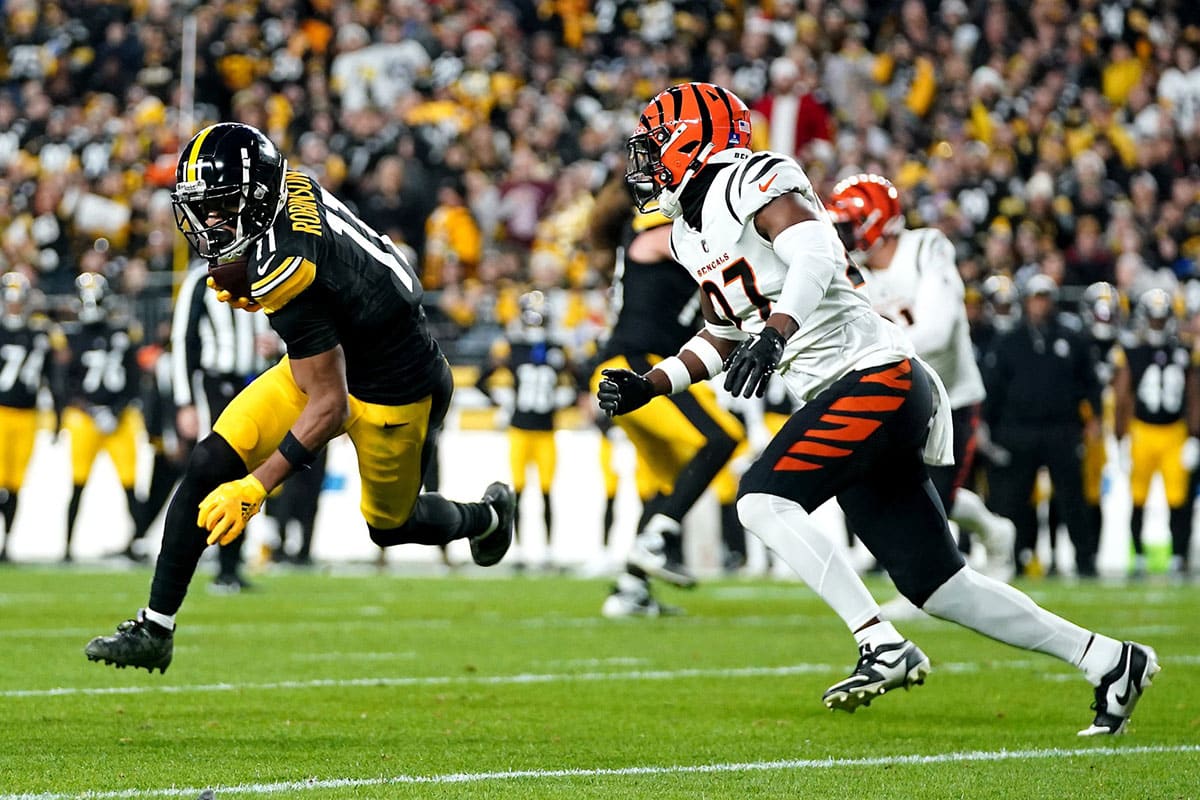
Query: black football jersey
(1158,376)
(22,363)
(537,370)
(325,278)
(657,304)
(102,369)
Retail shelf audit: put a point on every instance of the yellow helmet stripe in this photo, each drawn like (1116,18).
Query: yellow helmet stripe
(190,174)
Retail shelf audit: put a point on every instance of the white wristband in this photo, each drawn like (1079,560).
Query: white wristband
(676,372)
(704,350)
(729,333)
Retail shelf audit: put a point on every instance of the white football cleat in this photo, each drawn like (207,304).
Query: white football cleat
(1121,688)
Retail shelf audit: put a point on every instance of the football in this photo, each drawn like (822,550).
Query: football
(231,276)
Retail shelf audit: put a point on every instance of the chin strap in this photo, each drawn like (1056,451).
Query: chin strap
(669,202)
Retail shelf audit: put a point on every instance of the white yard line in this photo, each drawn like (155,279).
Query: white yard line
(975,756)
(956,667)
(437,680)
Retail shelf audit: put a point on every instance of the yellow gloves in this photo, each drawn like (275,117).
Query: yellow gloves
(229,507)
(225,296)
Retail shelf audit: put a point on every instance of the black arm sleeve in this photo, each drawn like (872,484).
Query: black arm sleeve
(305,325)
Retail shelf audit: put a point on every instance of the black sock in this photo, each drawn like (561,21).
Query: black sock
(673,546)
(1135,529)
(212,463)
(162,480)
(73,514)
(732,533)
(8,509)
(547,516)
(610,504)
(1181,531)
(436,521)
(517,520)
(229,558)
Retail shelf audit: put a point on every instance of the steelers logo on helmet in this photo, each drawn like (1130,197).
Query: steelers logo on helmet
(865,208)
(1100,309)
(1156,320)
(1001,302)
(534,316)
(91,290)
(678,132)
(14,287)
(228,189)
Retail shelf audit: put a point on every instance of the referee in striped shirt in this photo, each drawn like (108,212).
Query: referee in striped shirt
(215,354)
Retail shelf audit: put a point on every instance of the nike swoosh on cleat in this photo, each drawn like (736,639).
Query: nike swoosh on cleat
(1123,699)
(388,425)
(762,187)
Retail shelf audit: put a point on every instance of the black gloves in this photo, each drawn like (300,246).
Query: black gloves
(622,391)
(750,366)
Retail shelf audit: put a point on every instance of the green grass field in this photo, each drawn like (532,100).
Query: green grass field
(379,685)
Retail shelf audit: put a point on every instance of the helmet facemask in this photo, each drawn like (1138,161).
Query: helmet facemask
(229,188)
(238,216)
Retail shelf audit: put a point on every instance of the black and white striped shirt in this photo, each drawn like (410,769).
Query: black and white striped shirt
(211,339)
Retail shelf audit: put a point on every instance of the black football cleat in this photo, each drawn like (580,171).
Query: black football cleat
(879,669)
(488,548)
(137,643)
(1121,688)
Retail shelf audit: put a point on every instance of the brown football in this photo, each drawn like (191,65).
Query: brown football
(231,276)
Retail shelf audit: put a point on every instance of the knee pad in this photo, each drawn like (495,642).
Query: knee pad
(753,510)
(214,462)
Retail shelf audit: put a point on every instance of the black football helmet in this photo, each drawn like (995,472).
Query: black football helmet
(228,189)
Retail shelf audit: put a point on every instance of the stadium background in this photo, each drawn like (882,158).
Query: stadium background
(1052,136)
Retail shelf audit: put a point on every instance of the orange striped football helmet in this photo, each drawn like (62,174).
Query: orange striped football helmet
(679,131)
(865,207)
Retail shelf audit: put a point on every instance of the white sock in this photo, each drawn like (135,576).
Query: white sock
(493,524)
(1099,659)
(1007,615)
(165,620)
(785,527)
(880,633)
(971,512)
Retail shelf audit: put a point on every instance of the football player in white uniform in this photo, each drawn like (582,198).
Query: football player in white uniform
(779,293)
(912,279)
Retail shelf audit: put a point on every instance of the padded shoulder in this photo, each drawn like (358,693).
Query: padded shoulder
(763,177)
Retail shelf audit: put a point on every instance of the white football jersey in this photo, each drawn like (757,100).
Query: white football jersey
(922,292)
(742,276)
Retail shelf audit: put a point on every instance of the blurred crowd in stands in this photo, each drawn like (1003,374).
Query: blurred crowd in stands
(1041,136)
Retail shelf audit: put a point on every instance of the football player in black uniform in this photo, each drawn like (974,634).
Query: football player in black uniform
(1101,309)
(540,387)
(360,361)
(97,381)
(1157,389)
(687,438)
(24,344)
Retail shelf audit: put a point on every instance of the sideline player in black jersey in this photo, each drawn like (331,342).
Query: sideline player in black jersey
(97,380)
(540,387)
(24,345)
(686,438)
(360,361)
(1157,420)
